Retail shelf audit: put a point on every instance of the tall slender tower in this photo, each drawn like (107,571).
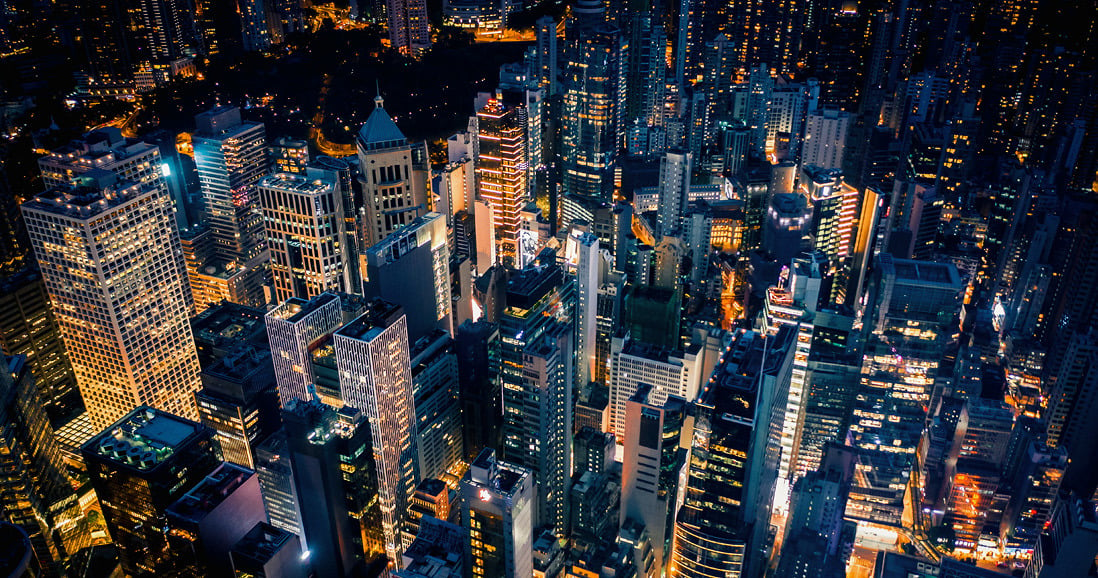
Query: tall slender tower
(303,217)
(501,175)
(109,254)
(375,376)
(231,156)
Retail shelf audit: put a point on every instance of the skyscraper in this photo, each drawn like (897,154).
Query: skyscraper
(393,175)
(231,156)
(375,377)
(295,329)
(239,401)
(590,121)
(498,509)
(303,219)
(635,365)
(501,174)
(411,268)
(675,173)
(36,495)
(123,316)
(409,27)
(825,135)
(139,466)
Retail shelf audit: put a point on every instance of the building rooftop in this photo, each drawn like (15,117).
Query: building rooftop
(920,272)
(379,130)
(528,286)
(261,543)
(295,183)
(380,315)
(296,309)
(228,321)
(92,193)
(208,494)
(143,439)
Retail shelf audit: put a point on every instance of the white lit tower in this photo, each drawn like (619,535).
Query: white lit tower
(375,376)
(109,253)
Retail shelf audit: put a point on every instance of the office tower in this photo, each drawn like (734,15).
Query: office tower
(1072,410)
(646,67)
(535,338)
(546,65)
(295,329)
(36,494)
(588,278)
(409,28)
(438,409)
(303,220)
(593,503)
(590,121)
(138,466)
(825,133)
(815,521)
(652,466)
(477,348)
(1036,487)
(239,401)
(394,175)
(674,191)
(431,500)
(375,377)
(28,327)
(268,551)
(438,550)
(119,360)
(253,23)
(411,268)
(276,480)
(498,510)
(788,224)
(332,465)
(108,42)
(721,526)
(289,155)
(914,303)
(501,175)
(211,517)
(231,156)
(634,363)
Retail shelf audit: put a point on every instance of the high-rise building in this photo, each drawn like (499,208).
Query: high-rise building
(124,316)
(590,121)
(438,409)
(394,176)
(653,463)
(498,510)
(139,466)
(674,191)
(634,364)
(409,27)
(303,219)
(276,479)
(721,527)
(295,329)
(375,377)
(477,349)
(210,518)
(329,452)
(290,155)
(588,266)
(35,495)
(914,304)
(535,339)
(501,175)
(230,155)
(411,268)
(239,401)
(825,133)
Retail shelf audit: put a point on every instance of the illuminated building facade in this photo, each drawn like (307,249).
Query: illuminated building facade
(438,408)
(123,316)
(535,349)
(393,174)
(498,503)
(303,219)
(231,156)
(825,133)
(239,402)
(375,375)
(411,268)
(913,306)
(634,364)
(35,493)
(501,175)
(409,27)
(139,466)
(295,329)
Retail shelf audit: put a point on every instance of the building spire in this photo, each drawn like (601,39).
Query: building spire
(378,101)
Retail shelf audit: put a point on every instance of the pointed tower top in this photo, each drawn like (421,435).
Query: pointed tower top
(378,101)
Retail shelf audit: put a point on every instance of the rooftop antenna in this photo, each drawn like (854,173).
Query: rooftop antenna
(378,101)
